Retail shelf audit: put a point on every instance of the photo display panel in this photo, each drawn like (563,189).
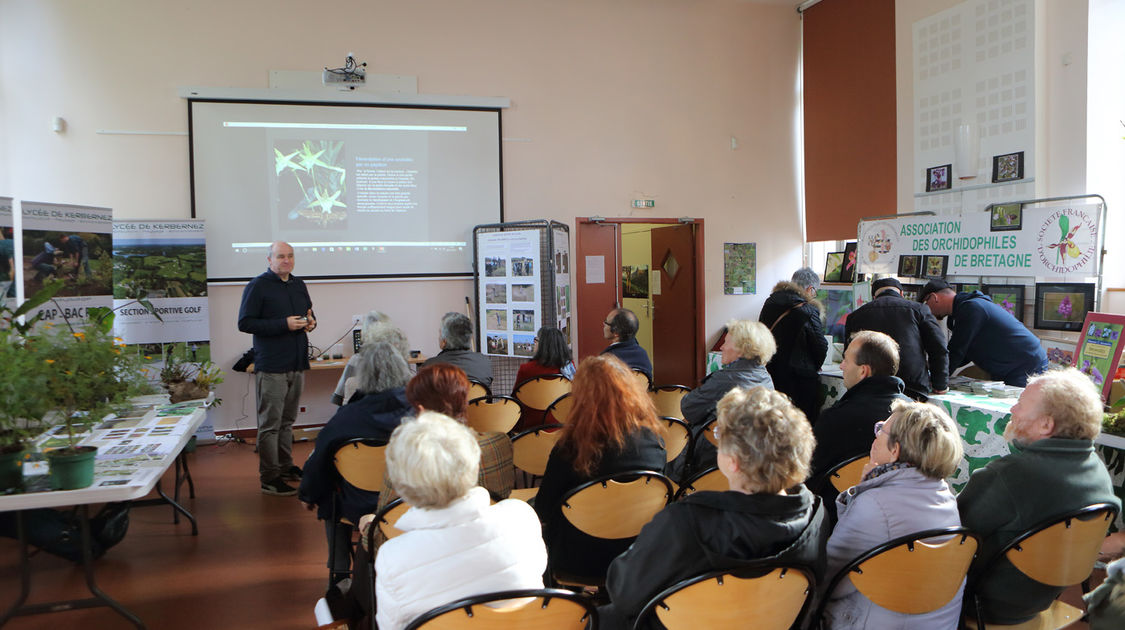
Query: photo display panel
(357,190)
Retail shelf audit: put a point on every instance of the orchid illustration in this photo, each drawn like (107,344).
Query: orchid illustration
(1066,309)
(1065,243)
(1008,306)
(315,170)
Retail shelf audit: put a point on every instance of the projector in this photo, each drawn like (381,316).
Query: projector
(345,77)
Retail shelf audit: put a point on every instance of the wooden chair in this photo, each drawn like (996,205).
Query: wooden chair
(530,451)
(1058,551)
(642,379)
(386,518)
(676,436)
(614,507)
(478,389)
(536,394)
(709,432)
(909,575)
(667,400)
(710,479)
(559,410)
(532,609)
(362,464)
(493,414)
(774,596)
(847,473)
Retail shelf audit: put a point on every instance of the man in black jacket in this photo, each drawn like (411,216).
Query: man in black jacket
(792,314)
(277,310)
(620,328)
(846,429)
(917,332)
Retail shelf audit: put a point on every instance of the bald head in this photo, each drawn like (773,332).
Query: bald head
(280,259)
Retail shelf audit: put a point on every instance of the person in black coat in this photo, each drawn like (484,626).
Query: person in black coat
(793,315)
(845,429)
(383,375)
(911,324)
(764,448)
(612,428)
(620,328)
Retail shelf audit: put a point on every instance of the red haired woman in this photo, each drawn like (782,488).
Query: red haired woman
(612,428)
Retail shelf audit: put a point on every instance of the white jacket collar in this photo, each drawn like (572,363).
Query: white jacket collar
(467,508)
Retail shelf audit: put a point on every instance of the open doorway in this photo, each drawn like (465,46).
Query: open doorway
(653,267)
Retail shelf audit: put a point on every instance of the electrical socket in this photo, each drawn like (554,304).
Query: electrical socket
(302,409)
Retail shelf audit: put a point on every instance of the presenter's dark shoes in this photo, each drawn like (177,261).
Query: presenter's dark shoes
(278,488)
(292,474)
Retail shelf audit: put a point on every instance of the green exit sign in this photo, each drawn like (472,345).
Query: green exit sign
(644,203)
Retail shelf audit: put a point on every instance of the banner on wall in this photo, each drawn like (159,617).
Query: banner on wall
(73,244)
(1010,241)
(562,284)
(510,311)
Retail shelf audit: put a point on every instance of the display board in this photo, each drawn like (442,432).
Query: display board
(1047,242)
(522,284)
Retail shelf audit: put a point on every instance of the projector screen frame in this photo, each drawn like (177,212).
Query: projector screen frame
(429,102)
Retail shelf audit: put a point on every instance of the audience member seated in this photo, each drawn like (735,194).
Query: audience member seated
(455,544)
(844,429)
(923,357)
(612,428)
(620,328)
(552,356)
(376,327)
(746,349)
(794,316)
(383,374)
(903,491)
(1053,469)
(456,342)
(765,444)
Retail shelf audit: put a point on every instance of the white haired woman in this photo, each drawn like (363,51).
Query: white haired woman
(377,326)
(455,544)
(903,490)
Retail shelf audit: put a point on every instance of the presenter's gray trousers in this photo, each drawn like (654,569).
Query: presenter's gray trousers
(278,398)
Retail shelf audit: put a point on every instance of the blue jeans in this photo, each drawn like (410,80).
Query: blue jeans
(278,398)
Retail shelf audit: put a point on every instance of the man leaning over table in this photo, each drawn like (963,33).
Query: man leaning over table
(277,310)
(1052,469)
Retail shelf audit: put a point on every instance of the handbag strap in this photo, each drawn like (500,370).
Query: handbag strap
(782,316)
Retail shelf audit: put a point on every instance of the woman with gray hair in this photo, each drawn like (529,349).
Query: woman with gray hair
(902,491)
(377,326)
(381,404)
(765,444)
(455,544)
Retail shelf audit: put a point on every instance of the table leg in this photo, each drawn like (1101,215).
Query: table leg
(25,572)
(178,509)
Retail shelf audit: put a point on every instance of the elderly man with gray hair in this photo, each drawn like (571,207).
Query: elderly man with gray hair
(793,315)
(456,348)
(455,544)
(1054,469)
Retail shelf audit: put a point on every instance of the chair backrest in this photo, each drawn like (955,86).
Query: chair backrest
(617,506)
(642,379)
(667,400)
(559,411)
(774,596)
(539,392)
(912,574)
(389,515)
(478,389)
(1061,551)
(532,609)
(493,414)
(710,479)
(676,436)
(362,464)
(847,473)
(532,448)
(708,432)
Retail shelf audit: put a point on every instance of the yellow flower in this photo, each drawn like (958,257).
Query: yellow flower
(80,335)
(49,361)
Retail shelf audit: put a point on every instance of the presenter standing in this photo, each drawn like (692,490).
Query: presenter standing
(277,310)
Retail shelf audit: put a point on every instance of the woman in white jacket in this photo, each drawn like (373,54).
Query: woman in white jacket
(903,491)
(456,545)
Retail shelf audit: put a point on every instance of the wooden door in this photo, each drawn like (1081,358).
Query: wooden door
(674,339)
(596,289)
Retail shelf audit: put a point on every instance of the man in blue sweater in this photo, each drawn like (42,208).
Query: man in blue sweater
(620,329)
(277,310)
(986,334)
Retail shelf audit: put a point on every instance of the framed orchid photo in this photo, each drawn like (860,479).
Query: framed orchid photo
(1062,306)
(1007,296)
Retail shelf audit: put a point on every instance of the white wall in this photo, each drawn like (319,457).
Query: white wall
(609,100)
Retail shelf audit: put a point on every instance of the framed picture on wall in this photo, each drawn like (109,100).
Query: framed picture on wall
(911,291)
(833,266)
(1006,216)
(934,266)
(1062,306)
(1007,296)
(1099,349)
(1007,167)
(847,273)
(909,265)
(938,177)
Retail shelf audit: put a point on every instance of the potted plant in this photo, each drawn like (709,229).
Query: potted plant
(188,381)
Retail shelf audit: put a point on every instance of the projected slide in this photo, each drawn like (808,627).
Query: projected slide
(357,190)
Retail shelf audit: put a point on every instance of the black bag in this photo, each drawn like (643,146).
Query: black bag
(244,362)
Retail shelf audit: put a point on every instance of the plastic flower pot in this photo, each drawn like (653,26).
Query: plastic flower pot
(11,470)
(71,469)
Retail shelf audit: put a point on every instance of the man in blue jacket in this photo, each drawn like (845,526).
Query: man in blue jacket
(620,328)
(986,334)
(277,310)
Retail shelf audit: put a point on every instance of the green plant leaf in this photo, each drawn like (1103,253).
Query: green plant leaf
(41,296)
